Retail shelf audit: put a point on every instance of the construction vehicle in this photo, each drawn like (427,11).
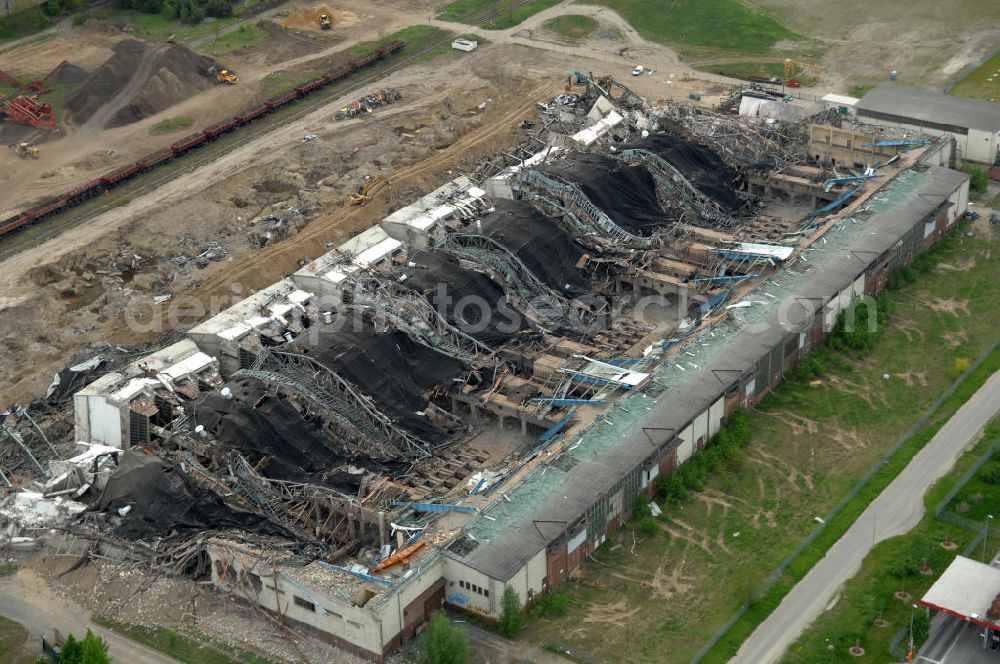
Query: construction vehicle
(368,104)
(324,22)
(368,189)
(229,77)
(791,66)
(25,150)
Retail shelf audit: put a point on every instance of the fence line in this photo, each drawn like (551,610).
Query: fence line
(783,566)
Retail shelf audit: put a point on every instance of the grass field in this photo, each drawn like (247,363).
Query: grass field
(157,28)
(810,445)
(242,37)
(572,27)
(171,125)
(868,612)
(14,648)
(474,12)
(180,646)
(721,24)
(983,83)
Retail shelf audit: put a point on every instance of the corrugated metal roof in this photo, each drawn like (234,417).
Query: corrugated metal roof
(550,499)
(932,107)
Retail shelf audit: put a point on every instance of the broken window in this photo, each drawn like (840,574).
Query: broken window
(304,603)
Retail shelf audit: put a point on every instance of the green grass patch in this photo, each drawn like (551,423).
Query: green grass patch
(868,612)
(859,90)
(466,11)
(572,27)
(505,13)
(982,83)
(511,15)
(725,24)
(13,643)
(24,22)
(811,443)
(158,28)
(742,69)
(241,38)
(6,569)
(417,38)
(279,82)
(170,125)
(182,646)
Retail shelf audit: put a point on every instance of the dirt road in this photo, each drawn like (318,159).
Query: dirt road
(27,599)
(896,510)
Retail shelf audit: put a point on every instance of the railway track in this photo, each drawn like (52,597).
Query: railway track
(56,224)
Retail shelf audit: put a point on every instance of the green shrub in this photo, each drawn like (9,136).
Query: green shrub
(990,472)
(647,525)
(443,643)
(641,508)
(552,604)
(979,179)
(19,23)
(511,614)
(671,490)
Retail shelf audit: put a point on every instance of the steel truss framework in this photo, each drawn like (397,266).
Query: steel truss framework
(413,314)
(678,188)
(350,418)
(548,306)
(24,438)
(573,199)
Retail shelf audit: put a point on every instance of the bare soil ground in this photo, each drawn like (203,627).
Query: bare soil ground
(78,153)
(927,41)
(66,294)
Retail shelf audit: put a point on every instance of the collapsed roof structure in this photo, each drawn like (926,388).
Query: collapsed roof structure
(338,431)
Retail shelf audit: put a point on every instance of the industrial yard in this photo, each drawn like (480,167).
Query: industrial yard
(324,318)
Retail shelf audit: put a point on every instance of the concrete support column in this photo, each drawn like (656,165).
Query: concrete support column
(383,537)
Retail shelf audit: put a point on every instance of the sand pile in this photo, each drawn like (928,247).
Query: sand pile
(139,80)
(308,19)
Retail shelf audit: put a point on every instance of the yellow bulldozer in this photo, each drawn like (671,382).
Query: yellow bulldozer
(368,189)
(25,150)
(226,76)
(324,22)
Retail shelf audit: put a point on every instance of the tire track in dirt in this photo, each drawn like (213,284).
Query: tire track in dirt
(266,267)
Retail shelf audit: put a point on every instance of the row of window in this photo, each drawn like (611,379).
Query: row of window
(471,587)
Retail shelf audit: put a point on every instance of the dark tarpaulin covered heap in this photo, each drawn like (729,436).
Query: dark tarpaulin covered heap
(164,501)
(627,194)
(269,430)
(389,367)
(700,165)
(436,276)
(545,248)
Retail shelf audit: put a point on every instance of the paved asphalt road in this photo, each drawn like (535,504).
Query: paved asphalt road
(896,510)
(25,598)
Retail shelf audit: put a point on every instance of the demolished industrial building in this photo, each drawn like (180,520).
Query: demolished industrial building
(473,393)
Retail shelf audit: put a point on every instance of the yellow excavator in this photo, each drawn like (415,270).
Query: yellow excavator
(324,22)
(368,189)
(25,150)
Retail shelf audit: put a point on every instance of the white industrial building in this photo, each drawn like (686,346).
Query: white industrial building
(419,224)
(120,409)
(975,124)
(270,316)
(326,275)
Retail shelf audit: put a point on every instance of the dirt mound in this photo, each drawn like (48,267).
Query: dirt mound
(139,80)
(70,74)
(308,19)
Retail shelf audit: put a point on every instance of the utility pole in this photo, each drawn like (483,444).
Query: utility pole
(986,535)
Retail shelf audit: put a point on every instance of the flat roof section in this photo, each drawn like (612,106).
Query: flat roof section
(934,107)
(966,590)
